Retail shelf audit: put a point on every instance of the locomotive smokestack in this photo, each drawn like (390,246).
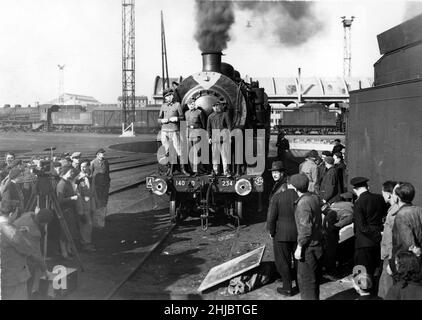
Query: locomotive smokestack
(211,61)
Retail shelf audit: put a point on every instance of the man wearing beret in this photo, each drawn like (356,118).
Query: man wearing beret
(309,168)
(170,115)
(368,212)
(308,219)
(282,228)
(329,189)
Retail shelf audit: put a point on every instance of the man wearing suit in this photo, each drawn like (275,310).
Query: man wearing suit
(282,228)
(368,212)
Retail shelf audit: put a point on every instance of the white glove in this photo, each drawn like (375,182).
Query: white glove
(164,120)
(174,119)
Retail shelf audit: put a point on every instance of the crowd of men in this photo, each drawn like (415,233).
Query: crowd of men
(307,211)
(28,214)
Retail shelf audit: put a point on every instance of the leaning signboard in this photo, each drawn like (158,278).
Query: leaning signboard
(232,268)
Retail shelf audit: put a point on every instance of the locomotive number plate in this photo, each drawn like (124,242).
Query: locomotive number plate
(149,181)
(180,183)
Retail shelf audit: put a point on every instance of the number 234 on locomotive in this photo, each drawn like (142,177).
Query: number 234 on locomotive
(235,123)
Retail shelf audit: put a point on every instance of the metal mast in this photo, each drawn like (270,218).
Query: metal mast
(128,61)
(347,60)
(164,66)
(61,83)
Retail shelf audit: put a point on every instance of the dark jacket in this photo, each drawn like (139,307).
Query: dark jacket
(281,216)
(329,190)
(321,169)
(195,119)
(308,217)
(64,192)
(341,173)
(282,144)
(218,120)
(279,186)
(405,291)
(368,212)
(407,228)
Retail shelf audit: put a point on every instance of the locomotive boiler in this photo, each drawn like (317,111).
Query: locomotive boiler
(249,111)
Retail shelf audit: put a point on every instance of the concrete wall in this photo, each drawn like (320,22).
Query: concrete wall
(384,137)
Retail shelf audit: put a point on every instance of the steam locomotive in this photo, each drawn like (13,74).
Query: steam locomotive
(248,108)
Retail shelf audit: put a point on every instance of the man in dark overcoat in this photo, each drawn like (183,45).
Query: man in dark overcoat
(282,228)
(368,212)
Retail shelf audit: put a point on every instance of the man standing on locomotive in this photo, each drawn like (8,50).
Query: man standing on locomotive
(218,121)
(170,115)
(195,119)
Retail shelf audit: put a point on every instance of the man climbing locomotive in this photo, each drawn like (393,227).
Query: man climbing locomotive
(226,117)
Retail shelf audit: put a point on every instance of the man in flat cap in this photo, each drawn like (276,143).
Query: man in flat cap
(368,212)
(308,219)
(309,168)
(170,115)
(329,189)
(282,227)
(100,171)
(76,162)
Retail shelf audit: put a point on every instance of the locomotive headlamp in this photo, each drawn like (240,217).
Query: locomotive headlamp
(243,187)
(258,181)
(159,186)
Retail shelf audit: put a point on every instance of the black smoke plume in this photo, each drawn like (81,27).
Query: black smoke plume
(292,23)
(213,22)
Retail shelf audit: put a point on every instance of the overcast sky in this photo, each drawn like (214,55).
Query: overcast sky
(85,35)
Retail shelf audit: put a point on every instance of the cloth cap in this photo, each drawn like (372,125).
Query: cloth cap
(76,155)
(167,92)
(100,151)
(358,181)
(329,160)
(277,166)
(326,153)
(14,173)
(337,140)
(300,181)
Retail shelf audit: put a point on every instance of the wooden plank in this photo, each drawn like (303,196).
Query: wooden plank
(232,268)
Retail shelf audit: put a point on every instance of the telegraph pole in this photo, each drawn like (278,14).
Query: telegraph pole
(164,66)
(128,62)
(347,60)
